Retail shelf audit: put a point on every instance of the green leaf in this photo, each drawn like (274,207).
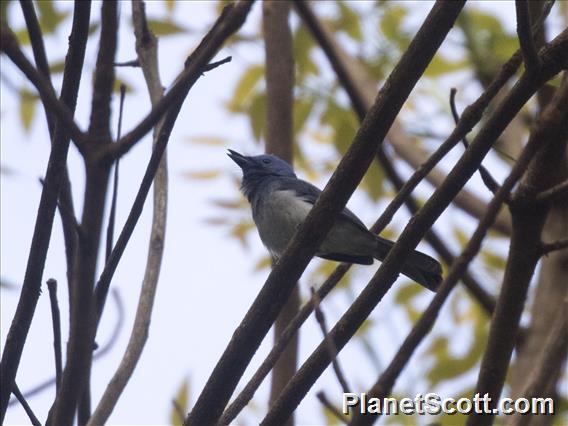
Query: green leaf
(202,175)
(241,229)
(493,261)
(373,181)
(28,107)
(302,44)
(440,66)
(246,85)
(170,6)
(264,263)
(448,366)
(165,27)
(257,116)
(207,140)
(391,21)
(302,110)
(49,17)
(181,404)
(57,67)
(349,22)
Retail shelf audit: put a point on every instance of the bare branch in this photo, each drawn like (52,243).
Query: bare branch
(112,213)
(488,180)
(54,176)
(557,192)
(38,49)
(320,317)
(550,247)
(56,320)
(331,202)
(74,393)
(22,400)
(526,40)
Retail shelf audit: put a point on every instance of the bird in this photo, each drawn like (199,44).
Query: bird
(280,202)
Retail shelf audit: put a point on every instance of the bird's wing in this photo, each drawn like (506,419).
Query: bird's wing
(310,193)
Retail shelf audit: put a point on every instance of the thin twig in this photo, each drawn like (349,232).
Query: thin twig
(100,352)
(488,180)
(526,39)
(320,317)
(56,320)
(22,400)
(112,263)
(133,63)
(547,248)
(200,59)
(112,214)
(38,49)
(557,192)
(330,407)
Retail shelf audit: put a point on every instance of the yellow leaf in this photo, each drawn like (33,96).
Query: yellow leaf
(179,407)
(202,175)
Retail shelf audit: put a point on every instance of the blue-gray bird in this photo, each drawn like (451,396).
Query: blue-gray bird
(280,202)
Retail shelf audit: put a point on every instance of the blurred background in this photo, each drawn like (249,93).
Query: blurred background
(214,262)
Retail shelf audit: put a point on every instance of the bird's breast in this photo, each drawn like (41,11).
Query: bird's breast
(277,216)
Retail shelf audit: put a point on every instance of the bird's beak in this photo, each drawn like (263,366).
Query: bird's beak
(240,159)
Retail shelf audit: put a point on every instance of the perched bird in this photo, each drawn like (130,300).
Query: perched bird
(280,202)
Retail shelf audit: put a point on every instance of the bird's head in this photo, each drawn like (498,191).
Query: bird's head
(261,165)
(259,169)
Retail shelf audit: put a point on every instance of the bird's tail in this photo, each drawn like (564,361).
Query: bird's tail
(420,267)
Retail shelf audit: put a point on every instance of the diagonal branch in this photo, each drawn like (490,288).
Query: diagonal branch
(383,386)
(552,57)
(349,173)
(360,88)
(555,193)
(196,63)
(543,171)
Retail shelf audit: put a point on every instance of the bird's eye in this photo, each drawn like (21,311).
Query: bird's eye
(266,161)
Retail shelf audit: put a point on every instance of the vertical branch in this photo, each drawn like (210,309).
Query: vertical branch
(526,40)
(52,288)
(54,177)
(279,140)
(74,384)
(147,50)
